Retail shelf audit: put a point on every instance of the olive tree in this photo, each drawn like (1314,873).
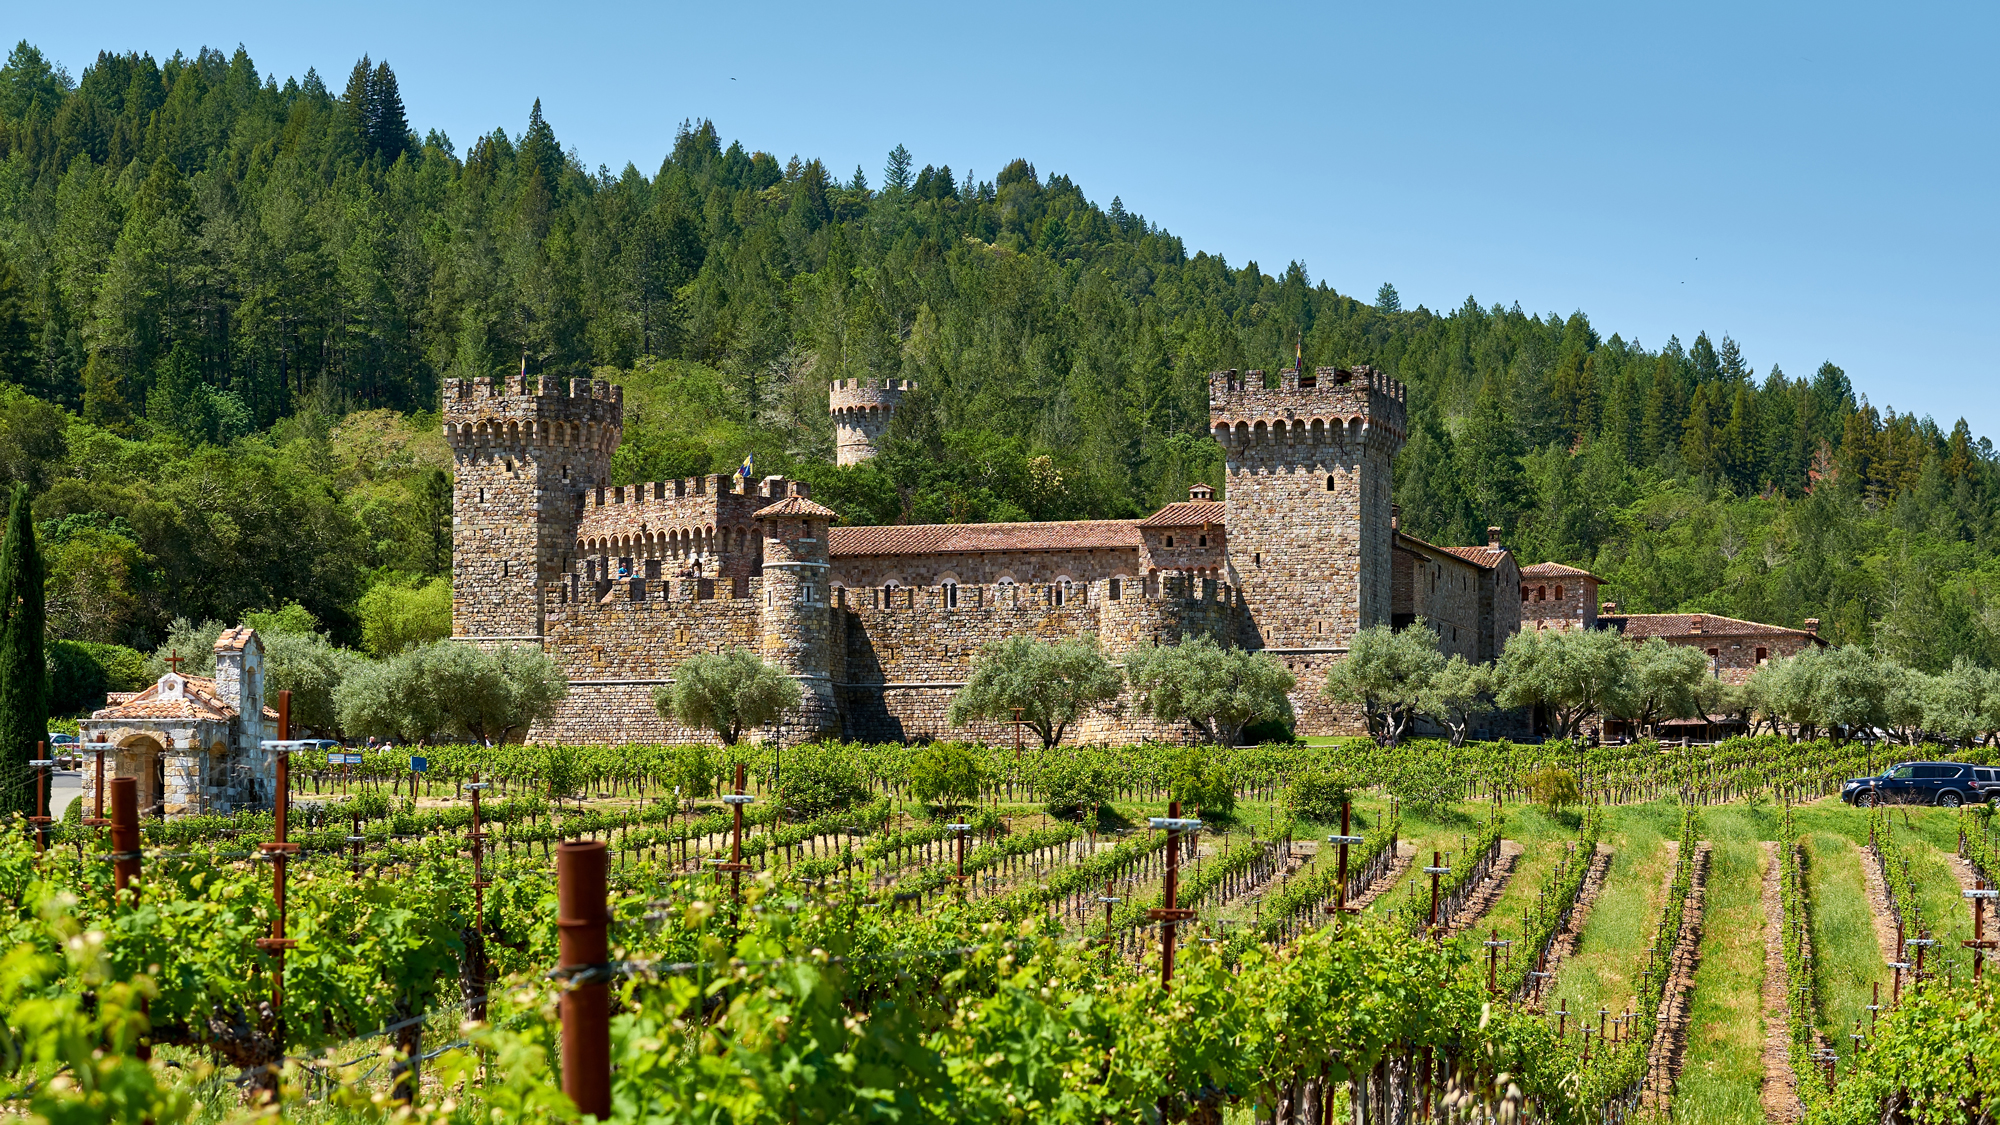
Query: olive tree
(1386,671)
(1666,682)
(946,775)
(1218,691)
(452,687)
(1458,693)
(1050,684)
(728,692)
(1571,673)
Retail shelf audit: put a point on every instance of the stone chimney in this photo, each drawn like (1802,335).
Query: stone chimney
(1812,626)
(1493,538)
(1609,608)
(1200,492)
(1694,624)
(1395,517)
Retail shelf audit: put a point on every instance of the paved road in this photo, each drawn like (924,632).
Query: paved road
(67,787)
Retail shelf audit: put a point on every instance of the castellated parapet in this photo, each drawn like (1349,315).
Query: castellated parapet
(861,410)
(622,583)
(1308,501)
(524,449)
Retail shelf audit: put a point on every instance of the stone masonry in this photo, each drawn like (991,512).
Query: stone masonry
(880,625)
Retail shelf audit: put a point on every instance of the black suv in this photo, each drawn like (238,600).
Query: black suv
(1950,784)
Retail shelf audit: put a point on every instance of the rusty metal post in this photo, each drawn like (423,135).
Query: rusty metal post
(1339,907)
(477,1009)
(1435,871)
(583,947)
(1493,947)
(124,831)
(736,867)
(41,818)
(97,815)
(1980,943)
(1171,912)
(280,852)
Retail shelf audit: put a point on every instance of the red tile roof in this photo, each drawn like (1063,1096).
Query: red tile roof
(1556,570)
(1683,625)
(235,639)
(1486,557)
(1188,513)
(199,700)
(943,538)
(795,507)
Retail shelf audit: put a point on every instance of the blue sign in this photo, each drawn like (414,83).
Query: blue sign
(419,765)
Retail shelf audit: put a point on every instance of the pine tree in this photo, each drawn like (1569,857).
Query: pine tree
(859,182)
(1733,367)
(357,107)
(104,402)
(1386,299)
(388,127)
(1707,365)
(896,176)
(24,704)
(17,333)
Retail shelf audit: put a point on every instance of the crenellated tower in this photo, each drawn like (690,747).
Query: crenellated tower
(525,449)
(1308,500)
(796,617)
(861,410)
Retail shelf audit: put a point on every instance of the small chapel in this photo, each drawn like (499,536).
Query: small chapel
(194,743)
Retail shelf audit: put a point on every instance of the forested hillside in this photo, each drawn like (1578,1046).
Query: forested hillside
(227,301)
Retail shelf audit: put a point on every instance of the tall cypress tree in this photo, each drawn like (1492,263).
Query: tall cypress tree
(24,694)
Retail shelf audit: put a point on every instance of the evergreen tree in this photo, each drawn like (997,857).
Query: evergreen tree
(1386,300)
(388,127)
(357,107)
(17,333)
(1706,364)
(24,708)
(896,175)
(1731,360)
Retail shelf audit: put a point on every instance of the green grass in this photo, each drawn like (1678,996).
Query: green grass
(1722,1073)
(1847,959)
(1542,839)
(1446,832)
(1620,926)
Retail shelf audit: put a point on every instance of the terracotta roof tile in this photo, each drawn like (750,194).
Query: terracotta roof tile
(1683,625)
(938,538)
(200,700)
(234,640)
(1188,513)
(1556,570)
(1485,557)
(796,506)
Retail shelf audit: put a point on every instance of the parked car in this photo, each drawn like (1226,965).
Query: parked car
(1986,781)
(1949,784)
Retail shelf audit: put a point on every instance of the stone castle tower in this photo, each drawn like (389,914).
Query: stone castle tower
(795,625)
(524,449)
(861,410)
(1308,501)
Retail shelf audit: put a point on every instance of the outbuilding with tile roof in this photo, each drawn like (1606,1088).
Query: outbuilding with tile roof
(194,743)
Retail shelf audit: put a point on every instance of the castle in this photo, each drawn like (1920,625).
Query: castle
(880,625)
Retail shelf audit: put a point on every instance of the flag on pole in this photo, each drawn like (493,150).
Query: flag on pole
(744,472)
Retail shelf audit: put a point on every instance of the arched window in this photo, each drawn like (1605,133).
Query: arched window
(1203,542)
(1541,593)
(1170,540)
(1559,593)
(950,594)
(1329,482)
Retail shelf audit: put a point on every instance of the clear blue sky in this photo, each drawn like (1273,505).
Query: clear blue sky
(1816,180)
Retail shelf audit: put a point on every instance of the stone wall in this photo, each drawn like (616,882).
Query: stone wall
(1309,500)
(1443,590)
(660,528)
(1567,602)
(861,410)
(524,451)
(984,567)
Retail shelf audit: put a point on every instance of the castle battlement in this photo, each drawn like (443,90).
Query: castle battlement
(1327,404)
(861,409)
(532,410)
(867,394)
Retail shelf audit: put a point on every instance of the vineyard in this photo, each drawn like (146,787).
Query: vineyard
(1288,933)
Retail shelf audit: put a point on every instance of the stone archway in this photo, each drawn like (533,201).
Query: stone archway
(141,756)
